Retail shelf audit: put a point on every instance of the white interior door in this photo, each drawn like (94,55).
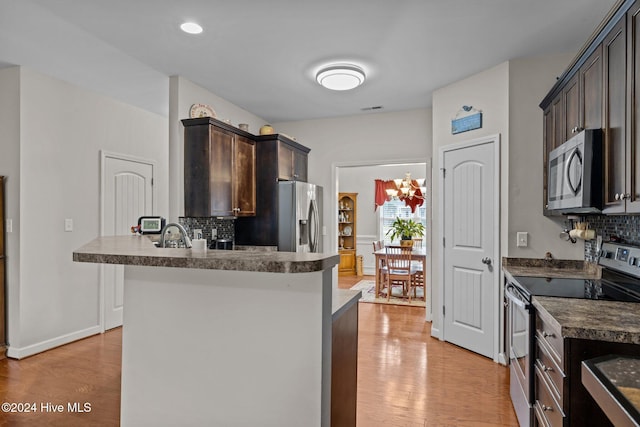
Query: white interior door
(128,194)
(470,195)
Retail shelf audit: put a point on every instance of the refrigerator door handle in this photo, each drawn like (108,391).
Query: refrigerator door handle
(315,223)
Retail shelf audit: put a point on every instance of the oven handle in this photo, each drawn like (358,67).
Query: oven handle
(514,295)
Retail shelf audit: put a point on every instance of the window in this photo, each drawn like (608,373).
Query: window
(397,209)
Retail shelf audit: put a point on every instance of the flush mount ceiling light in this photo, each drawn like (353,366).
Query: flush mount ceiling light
(191,28)
(340,77)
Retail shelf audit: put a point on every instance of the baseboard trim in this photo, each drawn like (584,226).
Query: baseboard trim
(502,359)
(21,353)
(435,332)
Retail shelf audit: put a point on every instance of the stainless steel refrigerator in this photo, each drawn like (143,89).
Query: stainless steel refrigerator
(299,217)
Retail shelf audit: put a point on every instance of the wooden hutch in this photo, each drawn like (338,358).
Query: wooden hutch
(347,213)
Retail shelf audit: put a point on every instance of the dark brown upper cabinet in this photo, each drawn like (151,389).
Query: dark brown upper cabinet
(605,76)
(279,159)
(632,152)
(615,109)
(219,169)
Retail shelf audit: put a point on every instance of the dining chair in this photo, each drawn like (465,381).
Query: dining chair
(382,269)
(419,282)
(400,270)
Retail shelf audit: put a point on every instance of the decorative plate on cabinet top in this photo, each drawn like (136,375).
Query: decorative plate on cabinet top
(201,110)
(347,230)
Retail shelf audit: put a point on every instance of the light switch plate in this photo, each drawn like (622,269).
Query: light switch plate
(9,225)
(522,239)
(68,224)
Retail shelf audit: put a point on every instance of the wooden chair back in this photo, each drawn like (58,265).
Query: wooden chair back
(377,245)
(398,260)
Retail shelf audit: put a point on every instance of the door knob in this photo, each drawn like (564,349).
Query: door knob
(617,196)
(486,260)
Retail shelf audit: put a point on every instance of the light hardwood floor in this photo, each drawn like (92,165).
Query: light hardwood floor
(405,378)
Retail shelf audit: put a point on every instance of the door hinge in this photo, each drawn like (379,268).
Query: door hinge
(443,311)
(152,182)
(444,172)
(443,243)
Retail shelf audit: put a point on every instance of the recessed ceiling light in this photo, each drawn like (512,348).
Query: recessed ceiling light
(340,76)
(191,28)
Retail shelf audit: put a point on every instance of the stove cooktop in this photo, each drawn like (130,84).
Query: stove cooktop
(600,289)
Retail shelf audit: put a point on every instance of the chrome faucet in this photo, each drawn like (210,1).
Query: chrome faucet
(184,238)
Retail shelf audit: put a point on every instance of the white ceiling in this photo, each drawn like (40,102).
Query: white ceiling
(262,55)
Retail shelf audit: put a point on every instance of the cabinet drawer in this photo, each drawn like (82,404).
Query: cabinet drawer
(550,370)
(549,335)
(548,411)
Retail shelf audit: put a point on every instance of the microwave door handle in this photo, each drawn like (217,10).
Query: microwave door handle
(574,189)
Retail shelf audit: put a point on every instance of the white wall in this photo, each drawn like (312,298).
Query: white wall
(487,91)
(62,130)
(530,79)
(365,139)
(10,168)
(182,95)
(361,180)
(509,95)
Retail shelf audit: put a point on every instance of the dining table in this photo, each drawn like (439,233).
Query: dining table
(417,254)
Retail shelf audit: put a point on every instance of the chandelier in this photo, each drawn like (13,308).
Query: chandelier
(407,188)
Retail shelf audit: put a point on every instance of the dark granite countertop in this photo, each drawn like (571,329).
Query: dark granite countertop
(579,318)
(535,267)
(139,250)
(592,319)
(614,383)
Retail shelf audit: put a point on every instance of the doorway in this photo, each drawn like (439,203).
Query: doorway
(127,194)
(358,177)
(469,216)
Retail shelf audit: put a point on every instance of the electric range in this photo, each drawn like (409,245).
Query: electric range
(620,279)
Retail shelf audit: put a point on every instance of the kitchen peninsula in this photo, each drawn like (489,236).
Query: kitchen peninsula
(226,337)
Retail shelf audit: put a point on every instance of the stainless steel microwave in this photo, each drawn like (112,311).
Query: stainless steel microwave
(575,180)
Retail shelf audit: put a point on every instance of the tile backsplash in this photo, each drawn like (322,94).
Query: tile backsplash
(626,227)
(223,226)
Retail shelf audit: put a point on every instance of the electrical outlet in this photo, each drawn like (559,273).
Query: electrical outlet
(214,233)
(522,239)
(68,224)
(197,233)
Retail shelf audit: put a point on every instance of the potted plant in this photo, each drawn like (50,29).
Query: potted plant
(405,230)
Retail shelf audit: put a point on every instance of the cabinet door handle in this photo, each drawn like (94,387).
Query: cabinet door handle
(547,368)
(617,196)
(626,196)
(547,408)
(548,334)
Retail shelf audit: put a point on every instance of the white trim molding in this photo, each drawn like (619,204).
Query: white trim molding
(30,350)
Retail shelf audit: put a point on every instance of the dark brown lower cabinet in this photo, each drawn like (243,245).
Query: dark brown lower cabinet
(344,367)
(560,397)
